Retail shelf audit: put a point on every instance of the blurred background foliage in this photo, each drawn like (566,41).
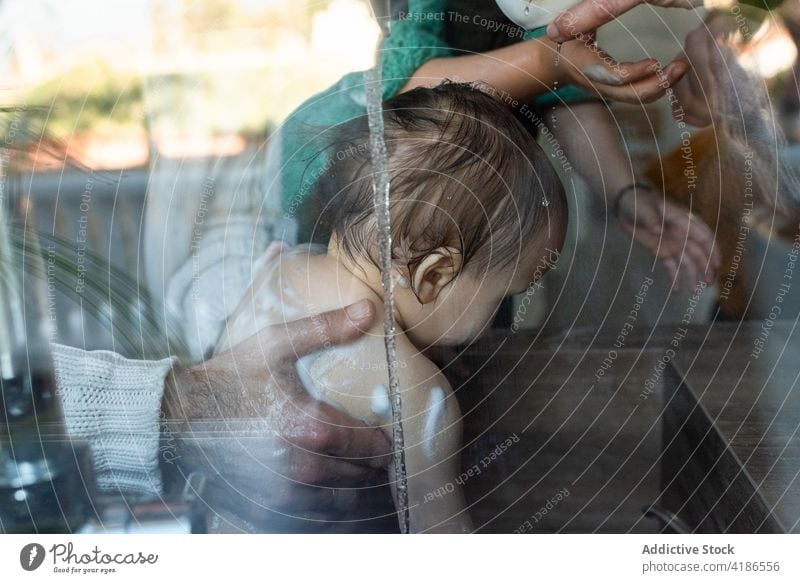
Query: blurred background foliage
(157,74)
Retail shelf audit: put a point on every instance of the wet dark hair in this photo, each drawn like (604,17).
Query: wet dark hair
(464,173)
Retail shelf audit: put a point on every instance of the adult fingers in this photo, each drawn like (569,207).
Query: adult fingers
(688,255)
(315,469)
(599,67)
(696,111)
(698,231)
(587,16)
(674,242)
(357,442)
(615,74)
(709,258)
(652,241)
(672,271)
(288,342)
(688,273)
(318,427)
(702,234)
(693,258)
(648,89)
(699,257)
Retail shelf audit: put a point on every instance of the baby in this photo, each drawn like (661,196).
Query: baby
(477,214)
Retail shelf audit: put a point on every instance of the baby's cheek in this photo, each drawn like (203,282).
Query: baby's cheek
(478,319)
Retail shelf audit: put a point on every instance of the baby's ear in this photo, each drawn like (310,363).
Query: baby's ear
(437,270)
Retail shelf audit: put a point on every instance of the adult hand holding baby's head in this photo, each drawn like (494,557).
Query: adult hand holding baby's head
(286,450)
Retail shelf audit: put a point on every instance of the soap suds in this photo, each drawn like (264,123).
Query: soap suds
(434,421)
(600,74)
(379,402)
(313,383)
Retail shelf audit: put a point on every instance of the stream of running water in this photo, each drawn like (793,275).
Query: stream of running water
(380,185)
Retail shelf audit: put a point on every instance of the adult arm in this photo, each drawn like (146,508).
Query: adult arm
(528,69)
(717,88)
(416,54)
(275,456)
(118,406)
(684,245)
(113,404)
(589,15)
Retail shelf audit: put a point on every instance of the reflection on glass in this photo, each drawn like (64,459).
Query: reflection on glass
(200,170)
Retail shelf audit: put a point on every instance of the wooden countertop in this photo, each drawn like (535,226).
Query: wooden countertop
(745,380)
(608,438)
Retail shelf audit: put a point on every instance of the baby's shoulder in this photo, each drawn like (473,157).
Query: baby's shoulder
(422,383)
(414,369)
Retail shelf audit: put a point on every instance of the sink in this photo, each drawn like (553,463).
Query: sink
(588,430)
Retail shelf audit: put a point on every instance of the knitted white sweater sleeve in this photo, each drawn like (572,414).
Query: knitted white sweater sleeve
(114,404)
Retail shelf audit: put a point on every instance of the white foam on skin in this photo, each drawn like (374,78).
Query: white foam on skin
(314,371)
(266,306)
(379,401)
(434,420)
(276,295)
(602,75)
(311,382)
(303,367)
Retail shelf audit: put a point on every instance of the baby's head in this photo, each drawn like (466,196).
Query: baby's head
(477,211)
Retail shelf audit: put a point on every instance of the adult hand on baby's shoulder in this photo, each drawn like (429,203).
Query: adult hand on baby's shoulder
(286,450)
(248,379)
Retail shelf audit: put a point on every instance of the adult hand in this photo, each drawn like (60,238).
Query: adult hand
(716,85)
(684,245)
(587,65)
(274,455)
(589,15)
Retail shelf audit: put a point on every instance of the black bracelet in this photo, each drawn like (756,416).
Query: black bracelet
(624,190)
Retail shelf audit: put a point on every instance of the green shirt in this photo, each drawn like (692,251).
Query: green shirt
(416,38)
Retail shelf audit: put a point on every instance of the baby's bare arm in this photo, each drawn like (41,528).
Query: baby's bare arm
(356,380)
(431,423)
(432,426)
